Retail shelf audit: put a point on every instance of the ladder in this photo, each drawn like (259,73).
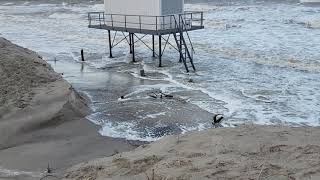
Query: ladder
(186,55)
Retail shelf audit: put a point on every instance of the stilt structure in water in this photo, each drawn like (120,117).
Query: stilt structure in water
(176,25)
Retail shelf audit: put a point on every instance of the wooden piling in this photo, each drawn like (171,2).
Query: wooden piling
(110,45)
(82,56)
(142,73)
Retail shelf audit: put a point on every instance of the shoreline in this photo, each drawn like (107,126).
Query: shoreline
(42,119)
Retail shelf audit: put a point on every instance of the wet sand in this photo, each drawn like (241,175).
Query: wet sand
(139,115)
(42,119)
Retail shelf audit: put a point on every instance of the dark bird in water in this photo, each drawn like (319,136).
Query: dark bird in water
(217,119)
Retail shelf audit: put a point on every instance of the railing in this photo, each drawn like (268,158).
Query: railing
(183,21)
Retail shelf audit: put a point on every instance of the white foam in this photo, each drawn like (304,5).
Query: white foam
(13,173)
(137,75)
(64,16)
(119,129)
(315,24)
(232,103)
(8,4)
(199,127)
(155,115)
(97,7)
(201,7)
(124,130)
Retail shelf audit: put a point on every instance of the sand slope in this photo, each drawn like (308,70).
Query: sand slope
(33,96)
(42,119)
(246,152)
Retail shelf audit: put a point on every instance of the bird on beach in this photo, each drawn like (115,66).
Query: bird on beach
(217,119)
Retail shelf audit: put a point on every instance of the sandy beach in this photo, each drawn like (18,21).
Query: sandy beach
(246,152)
(42,119)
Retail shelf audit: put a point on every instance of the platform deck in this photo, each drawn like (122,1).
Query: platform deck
(156,25)
(144,31)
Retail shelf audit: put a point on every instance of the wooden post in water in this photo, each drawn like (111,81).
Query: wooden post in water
(82,56)
(110,45)
(142,73)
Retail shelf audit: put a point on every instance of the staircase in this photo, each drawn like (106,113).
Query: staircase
(186,54)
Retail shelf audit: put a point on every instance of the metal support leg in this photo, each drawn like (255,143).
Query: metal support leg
(153,53)
(110,45)
(132,42)
(180,47)
(160,51)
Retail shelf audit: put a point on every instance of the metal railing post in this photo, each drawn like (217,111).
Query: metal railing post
(201,18)
(104,20)
(180,21)
(111,21)
(163,23)
(156,23)
(140,22)
(99,20)
(125,22)
(175,21)
(89,19)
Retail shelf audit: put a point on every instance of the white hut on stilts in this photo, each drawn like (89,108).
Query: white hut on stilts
(150,17)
